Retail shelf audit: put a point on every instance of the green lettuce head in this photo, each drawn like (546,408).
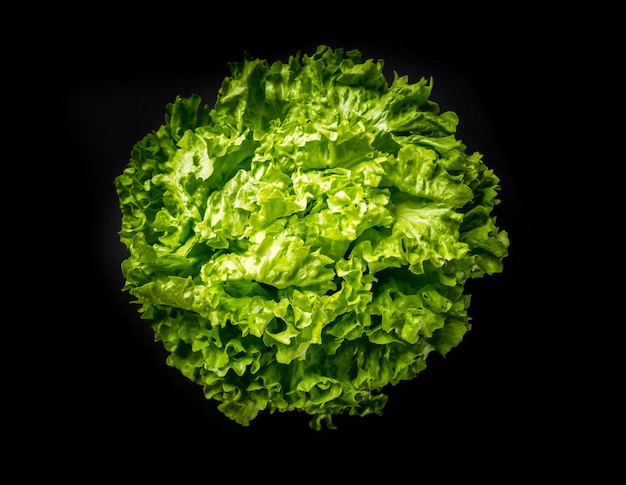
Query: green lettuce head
(305,242)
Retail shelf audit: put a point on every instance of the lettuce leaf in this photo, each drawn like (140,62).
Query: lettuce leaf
(306,242)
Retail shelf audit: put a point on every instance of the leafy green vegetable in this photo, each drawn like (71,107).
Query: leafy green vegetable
(306,242)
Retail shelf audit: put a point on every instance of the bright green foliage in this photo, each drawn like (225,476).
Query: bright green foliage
(305,243)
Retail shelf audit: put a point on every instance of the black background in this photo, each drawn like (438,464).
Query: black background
(117,406)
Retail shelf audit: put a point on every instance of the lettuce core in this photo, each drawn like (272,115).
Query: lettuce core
(305,242)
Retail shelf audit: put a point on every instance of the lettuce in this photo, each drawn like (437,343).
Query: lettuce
(306,242)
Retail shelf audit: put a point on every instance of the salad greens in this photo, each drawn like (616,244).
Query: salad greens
(305,242)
